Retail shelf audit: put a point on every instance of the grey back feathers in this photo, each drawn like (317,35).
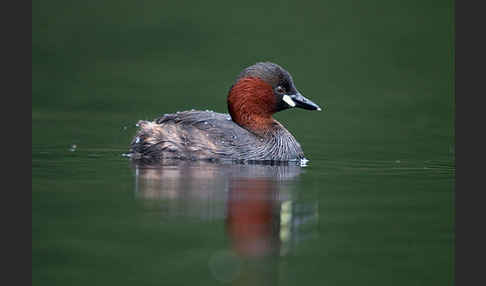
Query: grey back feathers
(205,135)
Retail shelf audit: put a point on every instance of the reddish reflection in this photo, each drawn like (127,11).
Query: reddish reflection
(256,202)
(253,220)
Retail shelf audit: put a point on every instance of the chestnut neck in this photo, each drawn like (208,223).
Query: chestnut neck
(251,103)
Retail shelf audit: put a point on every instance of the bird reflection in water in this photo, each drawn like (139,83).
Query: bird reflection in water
(257,203)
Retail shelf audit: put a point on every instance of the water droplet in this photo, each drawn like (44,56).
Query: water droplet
(73,148)
(205,123)
(234,136)
(303,162)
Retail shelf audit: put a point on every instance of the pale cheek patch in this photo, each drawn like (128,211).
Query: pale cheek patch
(288,100)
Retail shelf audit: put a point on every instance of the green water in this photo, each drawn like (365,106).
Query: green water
(374,206)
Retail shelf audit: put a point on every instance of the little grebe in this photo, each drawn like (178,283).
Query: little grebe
(247,133)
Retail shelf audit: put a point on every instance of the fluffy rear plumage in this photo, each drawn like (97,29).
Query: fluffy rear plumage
(205,135)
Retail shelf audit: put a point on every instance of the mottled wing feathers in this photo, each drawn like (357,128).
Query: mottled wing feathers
(189,135)
(206,135)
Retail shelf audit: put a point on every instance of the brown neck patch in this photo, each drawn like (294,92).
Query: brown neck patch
(251,103)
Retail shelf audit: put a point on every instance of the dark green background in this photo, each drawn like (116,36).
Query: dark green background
(383,70)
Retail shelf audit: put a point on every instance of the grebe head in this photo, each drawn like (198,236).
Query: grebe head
(261,90)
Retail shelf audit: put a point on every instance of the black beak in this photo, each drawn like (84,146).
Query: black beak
(302,102)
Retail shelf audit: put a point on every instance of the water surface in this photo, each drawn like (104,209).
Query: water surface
(97,219)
